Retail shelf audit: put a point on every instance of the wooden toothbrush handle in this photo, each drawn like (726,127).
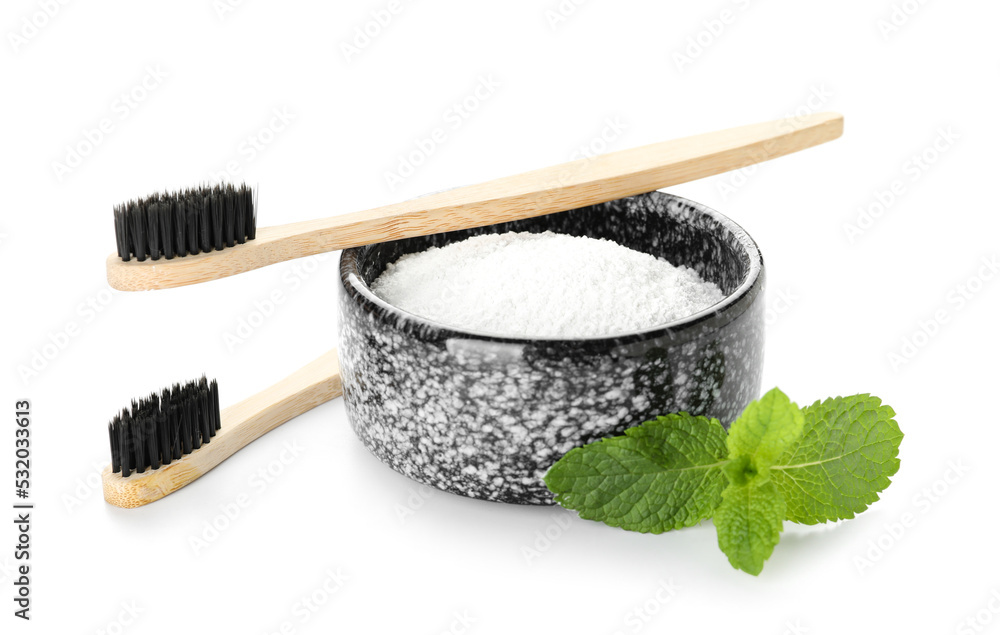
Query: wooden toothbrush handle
(315,383)
(553,189)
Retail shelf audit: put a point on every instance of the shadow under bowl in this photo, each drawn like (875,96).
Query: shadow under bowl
(486,416)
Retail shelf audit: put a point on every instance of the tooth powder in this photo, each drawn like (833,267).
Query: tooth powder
(543,285)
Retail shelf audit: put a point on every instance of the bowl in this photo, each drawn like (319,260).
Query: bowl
(486,416)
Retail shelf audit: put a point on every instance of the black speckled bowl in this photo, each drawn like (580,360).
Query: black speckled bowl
(486,416)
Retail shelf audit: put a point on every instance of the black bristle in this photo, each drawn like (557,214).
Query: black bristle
(123,447)
(163,443)
(167,229)
(187,421)
(176,413)
(204,223)
(192,214)
(122,233)
(215,410)
(180,225)
(153,231)
(139,444)
(137,231)
(116,457)
(228,205)
(195,420)
(250,211)
(188,222)
(240,219)
(217,215)
(163,427)
(153,438)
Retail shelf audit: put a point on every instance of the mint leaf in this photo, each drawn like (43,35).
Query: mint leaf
(828,461)
(847,453)
(766,429)
(664,474)
(748,523)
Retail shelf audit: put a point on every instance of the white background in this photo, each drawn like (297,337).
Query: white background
(414,561)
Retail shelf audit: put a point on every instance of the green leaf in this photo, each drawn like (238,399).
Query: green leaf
(847,453)
(664,474)
(748,523)
(766,429)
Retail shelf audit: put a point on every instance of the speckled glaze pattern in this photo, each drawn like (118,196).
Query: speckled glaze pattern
(486,416)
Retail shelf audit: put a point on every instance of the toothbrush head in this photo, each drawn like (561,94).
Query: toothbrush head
(188,222)
(164,427)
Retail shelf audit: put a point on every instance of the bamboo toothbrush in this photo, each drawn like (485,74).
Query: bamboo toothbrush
(168,440)
(169,226)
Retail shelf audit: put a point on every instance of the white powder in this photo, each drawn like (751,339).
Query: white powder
(543,285)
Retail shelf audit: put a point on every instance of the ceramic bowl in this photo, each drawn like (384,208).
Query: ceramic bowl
(486,416)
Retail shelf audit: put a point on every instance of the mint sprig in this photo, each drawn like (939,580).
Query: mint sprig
(828,461)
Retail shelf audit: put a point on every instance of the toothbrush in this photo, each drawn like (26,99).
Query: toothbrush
(167,441)
(210,233)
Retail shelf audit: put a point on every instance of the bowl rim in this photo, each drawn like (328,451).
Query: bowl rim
(724,310)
